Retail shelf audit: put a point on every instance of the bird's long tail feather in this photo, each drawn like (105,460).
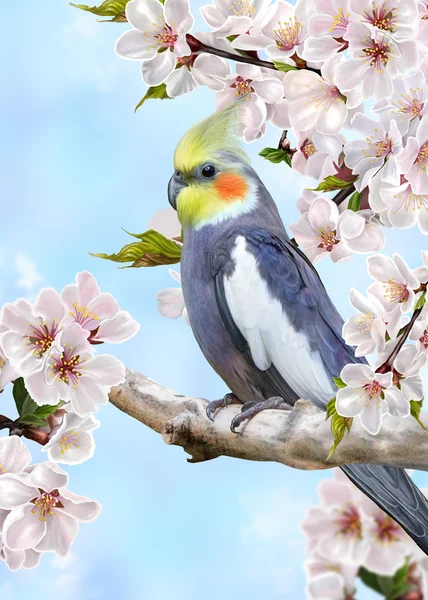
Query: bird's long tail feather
(393,491)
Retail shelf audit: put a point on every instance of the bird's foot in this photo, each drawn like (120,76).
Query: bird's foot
(216,404)
(251,409)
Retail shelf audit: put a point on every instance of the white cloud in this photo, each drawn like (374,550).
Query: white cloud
(29,277)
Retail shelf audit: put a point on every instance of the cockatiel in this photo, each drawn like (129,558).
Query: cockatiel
(257,306)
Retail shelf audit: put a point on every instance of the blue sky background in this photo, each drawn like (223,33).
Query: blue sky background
(75,165)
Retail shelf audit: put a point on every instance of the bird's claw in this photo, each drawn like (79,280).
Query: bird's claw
(251,409)
(216,404)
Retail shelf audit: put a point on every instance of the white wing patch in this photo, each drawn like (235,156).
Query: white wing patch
(272,339)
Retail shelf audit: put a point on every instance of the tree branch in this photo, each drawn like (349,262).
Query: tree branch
(300,438)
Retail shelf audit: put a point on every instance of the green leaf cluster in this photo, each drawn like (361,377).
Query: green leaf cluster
(391,587)
(276,155)
(332,183)
(29,412)
(338,424)
(152,250)
(109,8)
(153,93)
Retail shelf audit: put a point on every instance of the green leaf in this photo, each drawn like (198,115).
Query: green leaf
(330,408)
(276,155)
(157,92)
(153,249)
(391,587)
(283,67)
(421,301)
(338,426)
(369,579)
(39,415)
(354,202)
(109,8)
(339,382)
(23,401)
(332,183)
(415,410)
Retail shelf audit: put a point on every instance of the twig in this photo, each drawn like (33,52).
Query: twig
(197,46)
(343,194)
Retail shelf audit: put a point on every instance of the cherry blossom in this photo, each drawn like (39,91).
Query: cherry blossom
(360,231)
(406,372)
(377,151)
(407,104)
(158,37)
(234,17)
(282,35)
(396,18)
(413,162)
(305,201)
(376,60)
(171,300)
(72,442)
(96,312)
(14,455)
(44,515)
(17,559)
(316,102)
(394,283)
(261,89)
(318,564)
(191,71)
(31,330)
(389,545)
(367,328)
(369,396)
(336,529)
(316,232)
(328,586)
(73,375)
(404,208)
(315,153)
(7,373)
(330,22)
(419,331)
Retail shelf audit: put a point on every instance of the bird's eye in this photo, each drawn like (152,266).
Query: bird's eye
(208,171)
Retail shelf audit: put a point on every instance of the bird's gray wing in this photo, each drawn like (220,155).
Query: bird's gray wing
(277,311)
(275,307)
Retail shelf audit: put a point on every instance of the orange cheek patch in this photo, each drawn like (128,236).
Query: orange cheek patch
(231,187)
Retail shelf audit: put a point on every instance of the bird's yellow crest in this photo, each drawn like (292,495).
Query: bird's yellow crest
(212,135)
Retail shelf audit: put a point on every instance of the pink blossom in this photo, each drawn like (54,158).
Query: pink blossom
(377,151)
(376,60)
(232,17)
(171,300)
(315,153)
(389,545)
(316,232)
(44,515)
(336,529)
(367,328)
(369,396)
(394,283)
(282,35)
(413,162)
(31,330)
(96,312)
(158,37)
(72,374)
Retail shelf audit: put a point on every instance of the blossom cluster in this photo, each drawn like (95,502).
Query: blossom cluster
(348,533)
(382,325)
(47,350)
(309,69)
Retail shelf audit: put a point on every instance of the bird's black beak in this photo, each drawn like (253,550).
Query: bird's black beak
(175,185)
